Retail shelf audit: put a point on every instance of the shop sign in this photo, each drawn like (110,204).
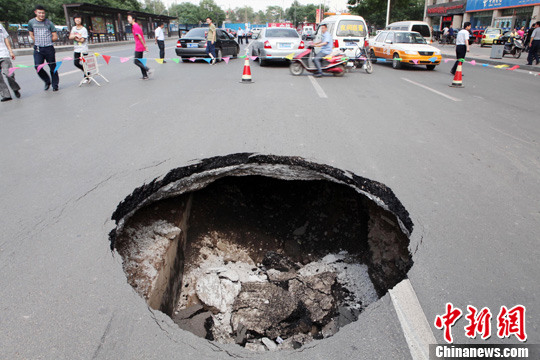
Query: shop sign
(475,5)
(455,7)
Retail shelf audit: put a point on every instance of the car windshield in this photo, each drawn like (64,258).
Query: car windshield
(351,28)
(493,31)
(281,33)
(199,32)
(410,38)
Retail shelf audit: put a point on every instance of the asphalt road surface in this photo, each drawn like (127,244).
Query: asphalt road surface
(464,162)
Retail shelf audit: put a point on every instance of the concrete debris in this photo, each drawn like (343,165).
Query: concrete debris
(217,293)
(249,305)
(316,293)
(262,307)
(270,345)
(273,260)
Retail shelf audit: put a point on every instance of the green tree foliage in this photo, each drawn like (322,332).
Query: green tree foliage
(299,13)
(245,14)
(187,13)
(155,7)
(274,13)
(374,11)
(208,8)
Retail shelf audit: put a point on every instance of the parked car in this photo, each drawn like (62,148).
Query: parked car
(477,35)
(308,33)
(409,46)
(276,43)
(489,35)
(193,44)
(254,32)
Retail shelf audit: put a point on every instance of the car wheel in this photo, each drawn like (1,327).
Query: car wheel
(430,67)
(481,44)
(341,73)
(372,56)
(296,68)
(517,54)
(219,55)
(262,62)
(396,64)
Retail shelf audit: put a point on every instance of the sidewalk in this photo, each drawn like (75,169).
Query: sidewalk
(67,48)
(482,55)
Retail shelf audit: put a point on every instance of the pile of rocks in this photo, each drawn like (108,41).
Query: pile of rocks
(277,304)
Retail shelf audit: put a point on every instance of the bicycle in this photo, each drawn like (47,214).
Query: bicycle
(361,58)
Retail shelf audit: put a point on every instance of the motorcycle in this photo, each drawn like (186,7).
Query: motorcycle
(513,46)
(334,64)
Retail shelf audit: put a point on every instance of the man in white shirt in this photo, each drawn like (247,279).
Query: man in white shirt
(240,36)
(6,55)
(462,45)
(160,40)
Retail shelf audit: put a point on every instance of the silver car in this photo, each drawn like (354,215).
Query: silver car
(276,43)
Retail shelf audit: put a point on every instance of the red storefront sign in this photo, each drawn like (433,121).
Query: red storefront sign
(446,9)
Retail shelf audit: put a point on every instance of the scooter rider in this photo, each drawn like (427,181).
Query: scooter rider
(326,49)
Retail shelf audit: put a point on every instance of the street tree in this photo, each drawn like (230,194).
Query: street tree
(274,13)
(187,13)
(374,11)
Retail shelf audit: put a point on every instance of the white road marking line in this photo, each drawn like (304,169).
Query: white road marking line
(413,321)
(71,72)
(317,87)
(432,90)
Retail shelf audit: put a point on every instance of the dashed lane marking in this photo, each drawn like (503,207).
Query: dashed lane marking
(432,90)
(318,88)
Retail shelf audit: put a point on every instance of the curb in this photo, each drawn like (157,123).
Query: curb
(534,68)
(69,48)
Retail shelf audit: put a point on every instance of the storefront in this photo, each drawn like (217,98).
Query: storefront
(505,14)
(445,14)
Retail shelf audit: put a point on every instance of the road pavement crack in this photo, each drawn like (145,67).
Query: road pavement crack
(167,333)
(103,337)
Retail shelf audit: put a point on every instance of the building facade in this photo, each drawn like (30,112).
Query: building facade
(505,14)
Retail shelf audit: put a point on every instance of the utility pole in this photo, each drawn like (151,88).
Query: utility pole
(388,13)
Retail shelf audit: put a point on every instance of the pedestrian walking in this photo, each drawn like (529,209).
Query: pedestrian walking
(534,44)
(246,35)
(140,45)
(6,55)
(521,32)
(43,33)
(240,36)
(79,35)
(462,45)
(451,34)
(211,40)
(160,41)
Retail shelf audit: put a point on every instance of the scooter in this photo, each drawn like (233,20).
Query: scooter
(334,64)
(513,47)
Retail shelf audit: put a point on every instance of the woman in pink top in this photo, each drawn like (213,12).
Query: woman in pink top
(140,45)
(521,32)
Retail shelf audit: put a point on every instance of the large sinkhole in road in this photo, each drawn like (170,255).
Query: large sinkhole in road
(266,252)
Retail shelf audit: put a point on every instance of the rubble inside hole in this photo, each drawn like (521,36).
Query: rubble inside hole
(272,305)
(266,256)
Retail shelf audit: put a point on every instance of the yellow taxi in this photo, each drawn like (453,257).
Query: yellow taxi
(404,47)
(489,35)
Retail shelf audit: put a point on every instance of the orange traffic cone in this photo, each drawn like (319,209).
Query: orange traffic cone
(246,76)
(458,78)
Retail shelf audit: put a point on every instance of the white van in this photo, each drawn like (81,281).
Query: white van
(419,26)
(346,31)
